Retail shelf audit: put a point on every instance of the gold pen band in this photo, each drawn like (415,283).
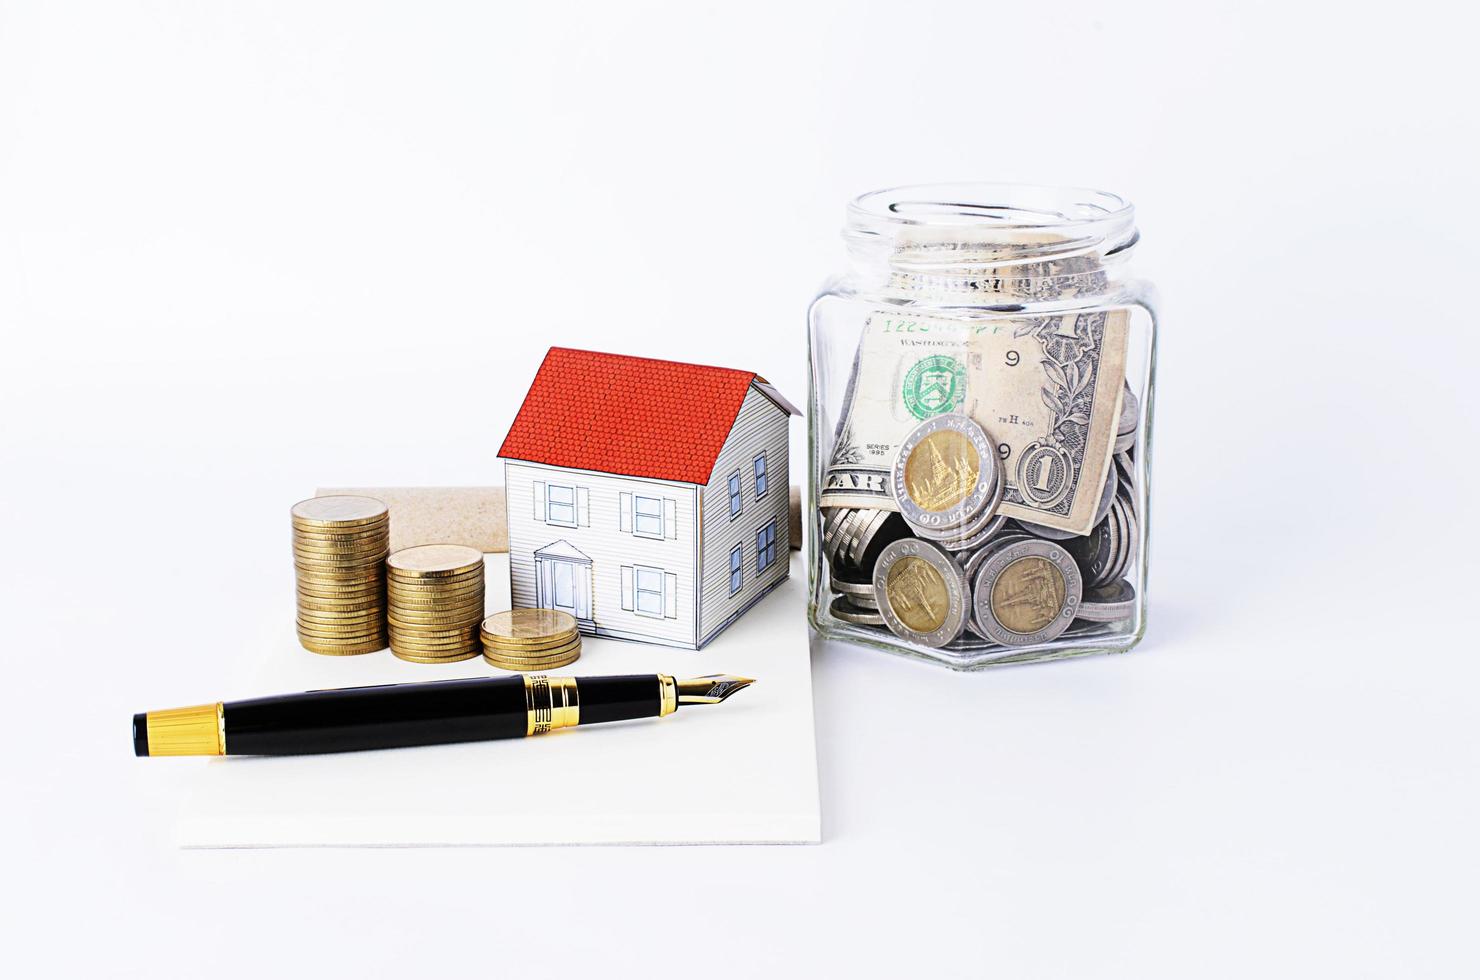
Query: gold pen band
(667,695)
(551,702)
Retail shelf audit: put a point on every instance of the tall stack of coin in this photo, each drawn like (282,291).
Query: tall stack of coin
(531,639)
(339,549)
(434,598)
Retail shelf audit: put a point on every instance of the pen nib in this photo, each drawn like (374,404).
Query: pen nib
(710,689)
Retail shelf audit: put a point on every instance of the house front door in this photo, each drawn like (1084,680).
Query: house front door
(565,584)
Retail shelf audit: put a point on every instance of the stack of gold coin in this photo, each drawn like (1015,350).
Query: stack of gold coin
(339,549)
(531,639)
(434,595)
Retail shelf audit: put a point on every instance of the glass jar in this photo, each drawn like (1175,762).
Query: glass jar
(981,389)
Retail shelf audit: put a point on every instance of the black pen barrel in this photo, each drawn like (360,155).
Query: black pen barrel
(385,717)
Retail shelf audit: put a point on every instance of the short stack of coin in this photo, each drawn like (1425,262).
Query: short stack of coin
(531,639)
(339,549)
(434,596)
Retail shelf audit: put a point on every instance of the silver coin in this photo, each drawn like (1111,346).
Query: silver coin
(1131,534)
(869,601)
(871,544)
(1108,603)
(1043,531)
(851,584)
(1125,442)
(848,612)
(865,536)
(1130,412)
(1097,552)
(982,481)
(1107,494)
(841,534)
(937,604)
(1027,592)
(1126,467)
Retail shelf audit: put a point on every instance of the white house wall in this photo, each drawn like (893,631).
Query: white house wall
(609,547)
(760,427)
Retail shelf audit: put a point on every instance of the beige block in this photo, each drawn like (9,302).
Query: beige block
(471,516)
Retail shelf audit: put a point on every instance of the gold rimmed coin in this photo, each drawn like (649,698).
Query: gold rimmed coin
(340,510)
(434,561)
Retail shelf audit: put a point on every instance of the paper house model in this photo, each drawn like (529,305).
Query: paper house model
(646,498)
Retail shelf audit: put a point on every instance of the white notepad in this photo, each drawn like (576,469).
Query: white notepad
(741,772)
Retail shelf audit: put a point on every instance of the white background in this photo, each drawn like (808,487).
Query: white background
(247,249)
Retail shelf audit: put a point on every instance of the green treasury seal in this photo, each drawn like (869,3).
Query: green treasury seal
(934,385)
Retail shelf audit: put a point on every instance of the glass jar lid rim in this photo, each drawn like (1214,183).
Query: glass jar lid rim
(1006,206)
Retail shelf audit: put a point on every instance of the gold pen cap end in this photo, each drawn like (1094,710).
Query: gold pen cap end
(197,730)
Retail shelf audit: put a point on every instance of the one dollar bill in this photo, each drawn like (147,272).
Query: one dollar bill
(1046,389)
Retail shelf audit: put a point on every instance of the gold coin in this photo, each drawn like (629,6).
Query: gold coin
(443,588)
(436,599)
(446,653)
(341,577)
(942,470)
(433,636)
(529,624)
(315,617)
(319,604)
(335,597)
(352,637)
(334,564)
(468,620)
(1028,594)
(542,657)
(369,640)
(435,560)
(314,549)
(378,529)
(496,649)
(917,594)
(431,642)
(340,510)
(525,666)
(417,659)
(340,650)
(517,643)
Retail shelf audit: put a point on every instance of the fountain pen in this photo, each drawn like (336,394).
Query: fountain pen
(391,716)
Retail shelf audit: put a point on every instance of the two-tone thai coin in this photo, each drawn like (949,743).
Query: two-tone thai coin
(1026,592)
(922,592)
(1108,603)
(844,608)
(946,475)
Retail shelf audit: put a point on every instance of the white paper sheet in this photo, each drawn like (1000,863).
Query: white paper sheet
(742,772)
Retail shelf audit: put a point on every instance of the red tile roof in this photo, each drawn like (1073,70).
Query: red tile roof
(633,416)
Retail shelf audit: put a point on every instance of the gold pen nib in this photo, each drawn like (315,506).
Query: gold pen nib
(711,689)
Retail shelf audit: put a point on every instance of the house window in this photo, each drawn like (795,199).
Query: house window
(734,494)
(737,573)
(760,475)
(765,547)
(648,517)
(650,591)
(557,503)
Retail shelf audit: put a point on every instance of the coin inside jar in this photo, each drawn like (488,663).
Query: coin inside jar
(941,470)
(1026,592)
(921,592)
